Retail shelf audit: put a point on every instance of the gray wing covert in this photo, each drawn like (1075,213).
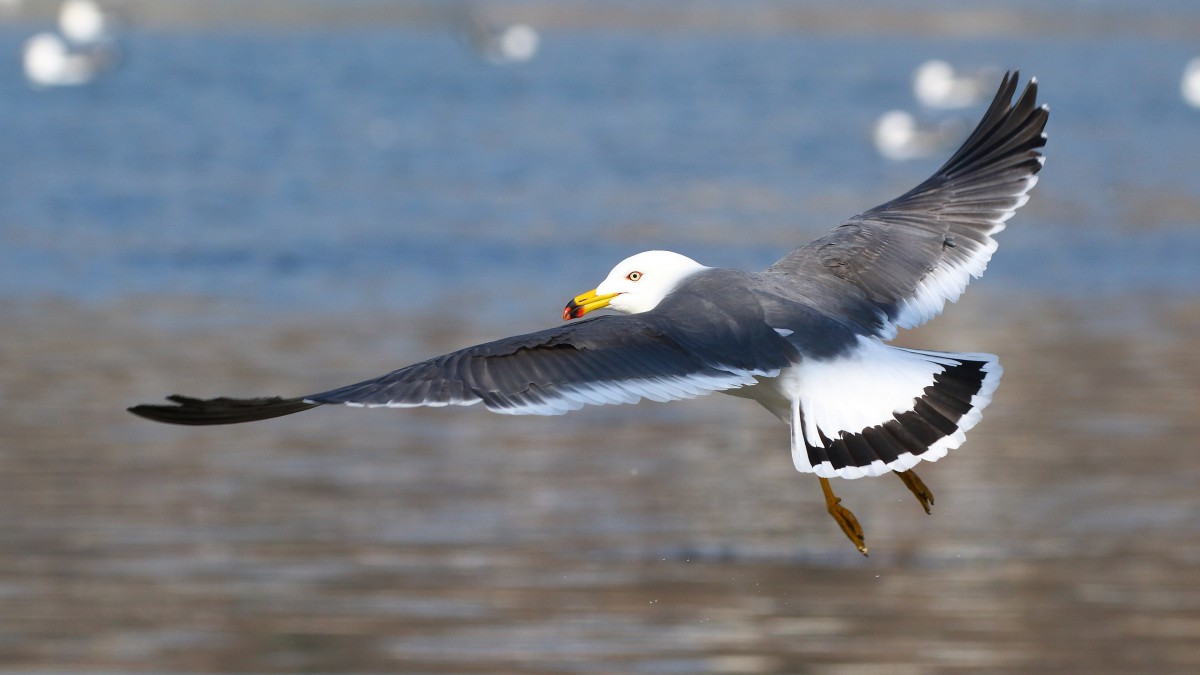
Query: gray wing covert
(602,360)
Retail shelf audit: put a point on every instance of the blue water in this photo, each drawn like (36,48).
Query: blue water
(388,169)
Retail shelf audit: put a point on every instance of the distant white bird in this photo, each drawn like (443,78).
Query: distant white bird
(50,62)
(84,48)
(1189,86)
(501,45)
(514,44)
(899,137)
(937,85)
(84,22)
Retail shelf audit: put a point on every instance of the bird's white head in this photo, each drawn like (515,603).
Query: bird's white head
(637,284)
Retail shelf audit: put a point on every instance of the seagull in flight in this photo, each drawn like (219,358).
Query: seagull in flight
(805,338)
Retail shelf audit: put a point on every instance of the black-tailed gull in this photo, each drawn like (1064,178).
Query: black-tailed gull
(804,337)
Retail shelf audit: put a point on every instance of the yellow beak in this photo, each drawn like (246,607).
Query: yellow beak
(582,304)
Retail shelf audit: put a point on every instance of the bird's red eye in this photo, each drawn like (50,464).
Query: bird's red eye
(633,276)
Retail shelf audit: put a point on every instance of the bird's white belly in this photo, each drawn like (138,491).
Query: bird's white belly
(773,393)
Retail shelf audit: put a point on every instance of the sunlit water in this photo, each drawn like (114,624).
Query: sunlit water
(256,212)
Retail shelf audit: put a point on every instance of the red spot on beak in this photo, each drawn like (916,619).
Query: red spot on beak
(582,304)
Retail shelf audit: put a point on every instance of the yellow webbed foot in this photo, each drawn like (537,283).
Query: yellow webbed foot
(917,487)
(845,519)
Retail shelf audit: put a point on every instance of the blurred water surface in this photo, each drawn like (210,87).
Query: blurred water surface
(265,211)
(377,169)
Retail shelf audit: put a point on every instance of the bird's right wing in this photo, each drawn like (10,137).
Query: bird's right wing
(909,256)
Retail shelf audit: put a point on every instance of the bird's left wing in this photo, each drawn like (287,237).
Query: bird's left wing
(906,258)
(602,360)
(221,410)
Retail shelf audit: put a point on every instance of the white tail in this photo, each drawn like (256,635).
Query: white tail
(882,408)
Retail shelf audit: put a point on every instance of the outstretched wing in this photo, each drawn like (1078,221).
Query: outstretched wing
(909,256)
(603,360)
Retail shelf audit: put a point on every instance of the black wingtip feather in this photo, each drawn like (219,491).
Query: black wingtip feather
(223,410)
(1008,128)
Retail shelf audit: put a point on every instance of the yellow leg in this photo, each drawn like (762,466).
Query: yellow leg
(917,487)
(844,518)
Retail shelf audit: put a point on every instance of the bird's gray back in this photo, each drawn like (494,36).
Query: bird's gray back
(743,311)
